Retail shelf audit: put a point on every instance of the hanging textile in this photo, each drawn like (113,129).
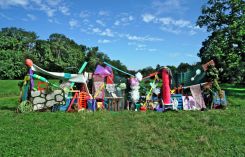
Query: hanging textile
(99,91)
(110,78)
(98,78)
(189,103)
(197,95)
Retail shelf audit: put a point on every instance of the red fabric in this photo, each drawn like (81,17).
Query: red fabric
(165,87)
(109,79)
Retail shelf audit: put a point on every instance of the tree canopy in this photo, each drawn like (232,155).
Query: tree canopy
(57,53)
(226,21)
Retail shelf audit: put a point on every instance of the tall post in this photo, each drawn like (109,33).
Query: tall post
(165,87)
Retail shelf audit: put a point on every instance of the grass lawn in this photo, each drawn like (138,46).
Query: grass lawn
(182,133)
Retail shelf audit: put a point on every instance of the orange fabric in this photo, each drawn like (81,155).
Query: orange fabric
(41,85)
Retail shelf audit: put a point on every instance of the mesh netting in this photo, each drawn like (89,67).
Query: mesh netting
(185,77)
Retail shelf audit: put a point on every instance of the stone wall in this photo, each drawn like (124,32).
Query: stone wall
(42,100)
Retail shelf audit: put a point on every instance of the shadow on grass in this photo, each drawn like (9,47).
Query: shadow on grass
(8,103)
(237,94)
(10,108)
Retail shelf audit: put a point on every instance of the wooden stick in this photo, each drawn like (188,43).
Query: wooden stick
(195,84)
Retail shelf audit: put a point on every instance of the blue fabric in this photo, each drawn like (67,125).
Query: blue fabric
(92,105)
(67,75)
(65,107)
(219,101)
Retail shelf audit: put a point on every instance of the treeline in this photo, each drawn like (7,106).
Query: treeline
(57,53)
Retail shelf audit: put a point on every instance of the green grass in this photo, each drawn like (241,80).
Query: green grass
(182,133)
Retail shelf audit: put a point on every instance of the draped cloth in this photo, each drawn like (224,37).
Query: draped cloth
(197,95)
(189,103)
(99,90)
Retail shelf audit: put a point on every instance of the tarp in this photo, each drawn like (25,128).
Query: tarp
(102,71)
(78,78)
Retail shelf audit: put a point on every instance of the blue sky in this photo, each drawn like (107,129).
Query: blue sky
(138,33)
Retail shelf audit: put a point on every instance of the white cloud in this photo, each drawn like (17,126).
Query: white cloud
(192,32)
(100,22)
(169,24)
(73,23)
(96,30)
(53,2)
(8,3)
(64,10)
(137,44)
(140,49)
(85,21)
(171,21)
(141,45)
(104,41)
(53,21)
(47,6)
(142,38)
(152,50)
(182,23)
(107,32)
(165,20)
(148,17)
(170,30)
(5,16)
(84,14)
(104,13)
(169,6)
(117,23)
(32,17)
(123,19)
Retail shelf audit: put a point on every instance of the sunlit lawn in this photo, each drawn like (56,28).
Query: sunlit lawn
(182,133)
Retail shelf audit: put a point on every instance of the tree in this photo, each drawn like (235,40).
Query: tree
(15,45)
(226,21)
(183,67)
(62,52)
(92,59)
(147,71)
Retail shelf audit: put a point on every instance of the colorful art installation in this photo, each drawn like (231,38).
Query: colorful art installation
(72,94)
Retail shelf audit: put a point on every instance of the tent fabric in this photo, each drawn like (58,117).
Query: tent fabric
(79,78)
(100,70)
(197,95)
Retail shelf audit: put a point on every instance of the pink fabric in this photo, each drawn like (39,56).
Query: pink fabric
(110,78)
(165,87)
(197,95)
(98,78)
(189,103)
(101,91)
(100,70)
